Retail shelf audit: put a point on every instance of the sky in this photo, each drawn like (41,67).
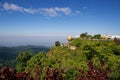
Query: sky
(42,22)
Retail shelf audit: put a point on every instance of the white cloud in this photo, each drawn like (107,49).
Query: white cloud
(52,12)
(49,12)
(66,10)
(56,11)
(14,7)
(29,10)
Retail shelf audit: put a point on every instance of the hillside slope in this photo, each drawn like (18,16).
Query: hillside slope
(9,54)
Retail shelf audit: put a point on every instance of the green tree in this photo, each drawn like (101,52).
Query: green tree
(84,35)
(22,59)
(97,36)
(57,43)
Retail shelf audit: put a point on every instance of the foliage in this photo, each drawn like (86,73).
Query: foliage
(62,63)
(87,36)
(116,50)
(89,51)
(76,42)
(37,63)
(54,74)
(105,50)
(57,57)
(7,73)
(71,60)
(117,41)
(9,54)
(97,36)
(57,43)
(94,73)
(22,59)
(84,35)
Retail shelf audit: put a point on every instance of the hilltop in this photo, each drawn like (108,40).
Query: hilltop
(103,55)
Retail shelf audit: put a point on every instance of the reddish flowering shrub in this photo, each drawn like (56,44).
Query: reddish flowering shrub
(54,74)
(10,74)
(94,73)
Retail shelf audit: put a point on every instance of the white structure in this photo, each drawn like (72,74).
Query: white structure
(112,36)
(76,36)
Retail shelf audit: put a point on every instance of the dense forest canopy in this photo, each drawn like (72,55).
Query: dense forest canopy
(9,54)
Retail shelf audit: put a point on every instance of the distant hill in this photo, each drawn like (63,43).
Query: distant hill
(9,53)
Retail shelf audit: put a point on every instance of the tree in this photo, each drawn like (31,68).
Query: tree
(97,36)
(117,41)
(57,43)
(84,35)
(22,59)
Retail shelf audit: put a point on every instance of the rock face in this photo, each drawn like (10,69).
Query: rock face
(72,47)
(69,38)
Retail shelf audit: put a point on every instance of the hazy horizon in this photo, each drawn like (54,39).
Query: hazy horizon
(28,40)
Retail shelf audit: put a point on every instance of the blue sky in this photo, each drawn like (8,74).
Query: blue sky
(50,20)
